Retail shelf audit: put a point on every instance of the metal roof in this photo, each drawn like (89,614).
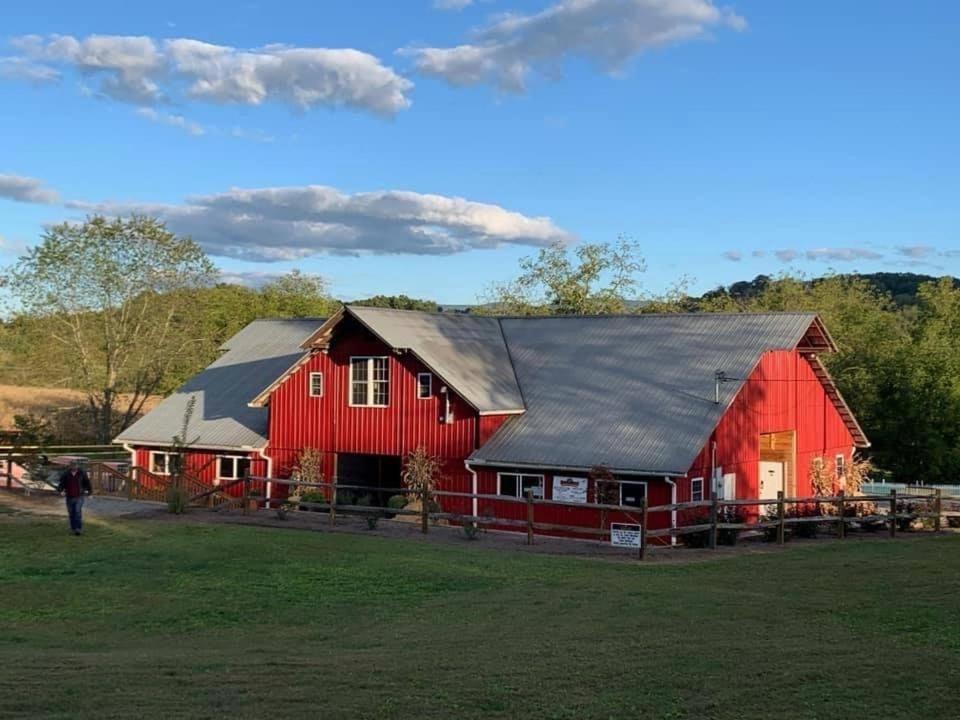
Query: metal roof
(468,352)
(252,358)
(635,393)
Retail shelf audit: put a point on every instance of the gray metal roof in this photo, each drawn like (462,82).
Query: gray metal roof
(252,358)
(468,352)
(632,392)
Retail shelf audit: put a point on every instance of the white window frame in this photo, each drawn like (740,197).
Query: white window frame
(694,492)
(646,490)
(840,463)
(520,476)
(310,390)
(166,462)
(235,458)
(370,381)
(429,377)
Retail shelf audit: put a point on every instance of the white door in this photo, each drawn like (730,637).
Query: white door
(771,479)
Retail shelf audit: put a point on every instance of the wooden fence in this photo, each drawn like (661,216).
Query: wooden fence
(891,510)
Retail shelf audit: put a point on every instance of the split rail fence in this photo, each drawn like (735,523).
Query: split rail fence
(893,511)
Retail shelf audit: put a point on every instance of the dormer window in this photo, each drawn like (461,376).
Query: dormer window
(424,386)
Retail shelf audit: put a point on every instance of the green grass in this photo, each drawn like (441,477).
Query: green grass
(156,620)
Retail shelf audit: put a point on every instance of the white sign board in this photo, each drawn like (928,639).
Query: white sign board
(624,535)
(569,489)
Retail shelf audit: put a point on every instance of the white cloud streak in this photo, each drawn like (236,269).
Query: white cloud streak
(609,33)
(145,71)
(177,121)
(18,68)
(733,255)
(21,188)
(452,4)
(287,223)
(842,254)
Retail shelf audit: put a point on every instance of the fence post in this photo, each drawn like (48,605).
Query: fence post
(132,473)
(9,469)
(893,513)
(643,530)
(937,509)
(529,517)
(246,496)
(425,511)
(714,512)
(781,519)
(841,509)
(333,501)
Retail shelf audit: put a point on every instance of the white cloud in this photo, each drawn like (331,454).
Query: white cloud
(787,255)
(18,68)
(842,254)
(608,33)
(452,4)
(249,278)
(733,255)
(916,251)
(145,71)
(287,223)
(177,121)
(26,189)
(759,253)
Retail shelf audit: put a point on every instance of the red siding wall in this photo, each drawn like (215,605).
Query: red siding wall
(781,394)
(202,463)
(331,425)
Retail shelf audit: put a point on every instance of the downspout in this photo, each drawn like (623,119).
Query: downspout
(474,508)
(673,513)
(262,453)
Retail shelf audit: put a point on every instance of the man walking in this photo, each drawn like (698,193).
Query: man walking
(75,483)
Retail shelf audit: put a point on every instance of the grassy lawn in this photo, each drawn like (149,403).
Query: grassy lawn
(148,619)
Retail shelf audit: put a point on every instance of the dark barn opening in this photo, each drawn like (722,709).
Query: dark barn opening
(379,477)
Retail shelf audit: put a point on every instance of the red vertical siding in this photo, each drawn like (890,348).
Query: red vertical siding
(202,462)
(781,394)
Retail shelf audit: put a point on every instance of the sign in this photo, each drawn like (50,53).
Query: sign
(569,489)
(624,535)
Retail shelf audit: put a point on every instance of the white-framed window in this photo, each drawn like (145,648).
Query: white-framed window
(160,462)
(696,489)
(424,386)
(316,384)
(841,464)
(232,467)
(517,484)
(632,493)
(370,381)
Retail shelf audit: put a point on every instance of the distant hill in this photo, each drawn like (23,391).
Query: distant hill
(902,287)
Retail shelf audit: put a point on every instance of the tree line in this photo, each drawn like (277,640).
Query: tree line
(122,309)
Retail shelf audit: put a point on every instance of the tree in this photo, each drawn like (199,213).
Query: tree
(398,302)
(296,295)
(595,278)
(114,293)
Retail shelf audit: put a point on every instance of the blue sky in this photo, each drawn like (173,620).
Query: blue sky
(728,140)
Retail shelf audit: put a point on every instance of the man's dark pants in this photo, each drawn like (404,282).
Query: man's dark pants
(75,510)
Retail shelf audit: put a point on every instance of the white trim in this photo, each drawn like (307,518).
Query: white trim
(370,382)
(315,374)
(429,377)
(519,411)
(262,454)
(673,513)
(520,476)
(475,486)
(491,464)
(840,461)
(702,496)
(646,489)
(225,448)
(166,462)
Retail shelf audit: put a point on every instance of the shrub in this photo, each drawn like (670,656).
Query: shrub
(805,529)
(729,536)
(904,524)
(177,499)
(725,536)
(372,521)
(953,521)
(771,515)
(397,502)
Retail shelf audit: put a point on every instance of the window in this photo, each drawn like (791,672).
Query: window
(316,384)
(516,485)
(696,489)
(424,386)
(841,467)
(230,467)
(370,381)
(160,463)
(633,493)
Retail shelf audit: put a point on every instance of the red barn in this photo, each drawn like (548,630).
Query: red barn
(675,406)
